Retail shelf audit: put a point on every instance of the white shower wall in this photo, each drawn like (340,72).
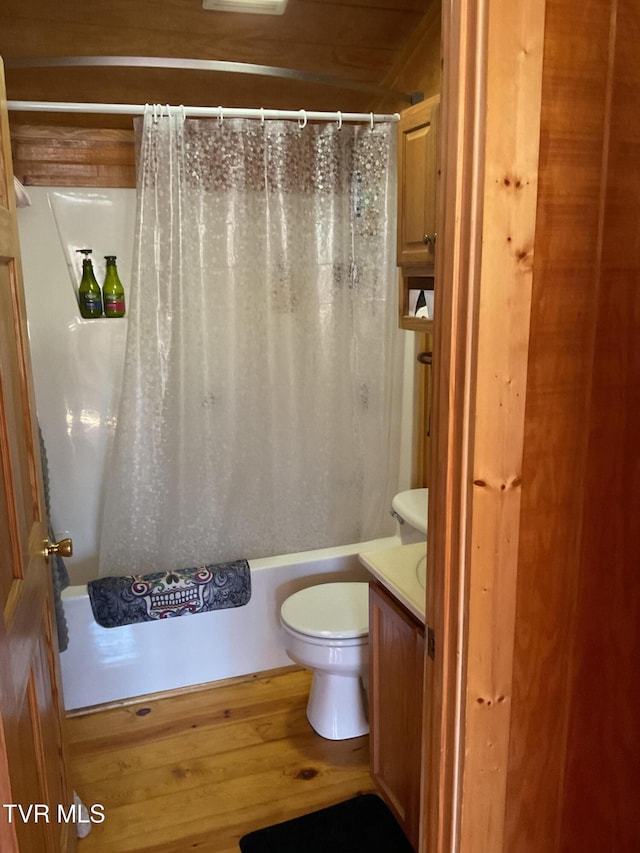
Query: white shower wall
(77,363)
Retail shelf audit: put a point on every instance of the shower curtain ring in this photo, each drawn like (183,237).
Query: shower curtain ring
(339,120)
(303,121)
(371,120)
(261,116)
(220,117)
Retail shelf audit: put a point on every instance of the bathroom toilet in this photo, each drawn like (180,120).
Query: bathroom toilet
(410,510)
(327,631)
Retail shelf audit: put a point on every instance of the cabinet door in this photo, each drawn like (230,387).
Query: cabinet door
(418,168)
(396,649)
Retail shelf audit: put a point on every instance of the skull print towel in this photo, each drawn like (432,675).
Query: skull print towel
(119,601)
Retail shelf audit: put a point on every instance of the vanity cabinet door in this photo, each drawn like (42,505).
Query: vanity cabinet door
(396,650)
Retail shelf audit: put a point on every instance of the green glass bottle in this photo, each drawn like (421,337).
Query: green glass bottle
(89,297)
(112,290)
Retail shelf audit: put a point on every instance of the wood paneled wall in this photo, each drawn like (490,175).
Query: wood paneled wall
(77,157)
(355,41)
(602,782)
(419,67)
(101,156)
(573,779)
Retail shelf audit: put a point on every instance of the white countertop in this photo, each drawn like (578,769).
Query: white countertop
(397,571)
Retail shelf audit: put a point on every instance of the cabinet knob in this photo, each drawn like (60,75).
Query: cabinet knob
(429,239)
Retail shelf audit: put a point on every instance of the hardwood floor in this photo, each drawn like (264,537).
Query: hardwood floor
(197,771)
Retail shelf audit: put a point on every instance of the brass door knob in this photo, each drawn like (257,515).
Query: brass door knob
(64,548)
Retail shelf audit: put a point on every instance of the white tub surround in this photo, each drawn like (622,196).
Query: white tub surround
(77,364)
(104,665)
(401,570)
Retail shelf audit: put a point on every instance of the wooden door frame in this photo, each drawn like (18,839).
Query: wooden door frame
(490,114)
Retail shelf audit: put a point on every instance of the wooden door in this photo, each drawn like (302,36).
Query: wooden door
(32,766)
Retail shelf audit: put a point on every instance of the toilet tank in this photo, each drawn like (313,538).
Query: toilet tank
(410,509)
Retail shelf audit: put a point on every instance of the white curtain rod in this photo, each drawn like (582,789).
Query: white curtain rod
(221,113)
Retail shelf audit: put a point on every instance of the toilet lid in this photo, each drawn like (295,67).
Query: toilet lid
(339,610)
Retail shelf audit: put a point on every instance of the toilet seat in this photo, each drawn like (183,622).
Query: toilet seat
(326,642)
(332,611)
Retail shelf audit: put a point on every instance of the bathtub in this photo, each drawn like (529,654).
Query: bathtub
(77,367)
(110,665)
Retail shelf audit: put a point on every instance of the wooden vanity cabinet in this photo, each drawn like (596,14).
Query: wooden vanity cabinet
(396,661)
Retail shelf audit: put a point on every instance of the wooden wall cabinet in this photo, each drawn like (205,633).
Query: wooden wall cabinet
(396,660)
(417,192)
(417,170)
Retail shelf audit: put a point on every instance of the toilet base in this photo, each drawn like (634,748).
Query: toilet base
(337,707)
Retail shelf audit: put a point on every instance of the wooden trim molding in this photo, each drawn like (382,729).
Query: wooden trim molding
(515,38)
(458,262)
(490,138)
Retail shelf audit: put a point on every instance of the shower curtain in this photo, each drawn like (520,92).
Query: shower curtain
(257,414)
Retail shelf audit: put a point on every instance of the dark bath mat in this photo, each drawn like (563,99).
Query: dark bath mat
(361,825)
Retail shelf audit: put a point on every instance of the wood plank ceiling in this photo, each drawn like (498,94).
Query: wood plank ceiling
(358,41)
